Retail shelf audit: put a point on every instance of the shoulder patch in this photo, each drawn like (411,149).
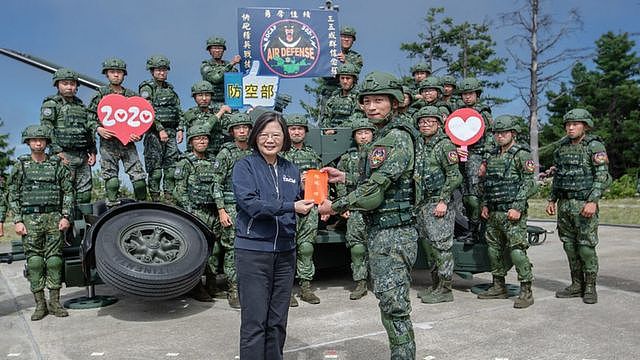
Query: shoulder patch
(377,156)
(529,166)
(452,157)
(600,158)
(144,94)
(47,111)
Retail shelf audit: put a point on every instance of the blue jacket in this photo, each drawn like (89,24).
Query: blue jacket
(266,218)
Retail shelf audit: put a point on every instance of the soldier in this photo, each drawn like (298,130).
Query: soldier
(346,56)
(41,201)
(194,178)
(352,163)
(344,102)
(449,85)
(507,185)
(238,126)
(436,175)
(430,95)
(387,196)
(213,69)
(471,90)
(419,72)
(581,178)
(111,149)
(202,91)
(73,138)
(305,158)
(161,141)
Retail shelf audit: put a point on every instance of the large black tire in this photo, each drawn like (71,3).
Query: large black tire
(151,253)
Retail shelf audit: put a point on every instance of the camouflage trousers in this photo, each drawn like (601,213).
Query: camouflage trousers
(43,250)
(507,245)
(80,170)
(112,151)
(210,218)
(356,237)
(436,237)
(471,186)
(392,253)
(579,235)
(227,239)
(306,231)
(160,157)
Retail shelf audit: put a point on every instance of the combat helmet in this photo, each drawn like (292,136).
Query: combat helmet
(216,41)
(36,132)
(359,123)
(421,66)
(238,119)
(470,84)
(348,69)
(64,74)
(114,64)
(381,83)
(506,123)
(448,80)
(348,31)
(297,120)
(581,115)
(158,61)
(428,111)
(201,87)
(431,82)
(198,130)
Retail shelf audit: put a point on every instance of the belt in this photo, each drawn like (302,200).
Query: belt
(26,210)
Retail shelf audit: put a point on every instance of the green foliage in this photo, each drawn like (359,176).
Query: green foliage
(5,153)
(98,190)
(624,187)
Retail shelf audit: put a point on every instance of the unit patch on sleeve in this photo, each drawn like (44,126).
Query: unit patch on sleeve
(377,157)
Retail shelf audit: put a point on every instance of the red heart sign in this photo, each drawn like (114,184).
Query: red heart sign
(464,126)
(125,115)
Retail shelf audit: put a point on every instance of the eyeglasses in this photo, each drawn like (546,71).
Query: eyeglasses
(274,136)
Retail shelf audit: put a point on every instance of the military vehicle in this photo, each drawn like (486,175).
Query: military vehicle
(159,251)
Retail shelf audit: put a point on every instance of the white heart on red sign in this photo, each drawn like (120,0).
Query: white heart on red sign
(464,126)
(125,116)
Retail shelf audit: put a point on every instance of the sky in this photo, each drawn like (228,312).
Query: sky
(80,34)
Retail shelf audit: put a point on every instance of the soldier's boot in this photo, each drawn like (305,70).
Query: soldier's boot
(54,304)
(590,294)
(199,293)
(434,284)
(525,299)
(41,306)
(111,187)
(497,291)
(442,293)
(359,291)
(306,294)
(140,190)
(211,286)
(232,295)
(293,302)
(573,290)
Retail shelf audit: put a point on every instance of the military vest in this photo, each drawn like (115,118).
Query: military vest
(235,154)
(200,183)
(479,146)
(214,73)
(39,184)
(397,207)
(573,178)
(353,163)
(503,179)
(195,116)
(305,158)
(429,174)
(106,90)
(340,108)
(71,119)
(165,103)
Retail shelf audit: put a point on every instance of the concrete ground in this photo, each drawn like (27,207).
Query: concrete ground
(338,328)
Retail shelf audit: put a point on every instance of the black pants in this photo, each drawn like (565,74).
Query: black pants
(265,281)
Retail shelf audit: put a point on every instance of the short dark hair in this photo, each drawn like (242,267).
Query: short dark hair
(261,122)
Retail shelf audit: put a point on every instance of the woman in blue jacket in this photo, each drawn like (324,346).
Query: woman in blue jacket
(268,194)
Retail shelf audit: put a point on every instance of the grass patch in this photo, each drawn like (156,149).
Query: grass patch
(615,211)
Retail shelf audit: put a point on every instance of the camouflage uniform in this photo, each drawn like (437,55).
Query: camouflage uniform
(330,84)
(72,134)
(197,116)
(432,82)
(160,157)
(508,184)
(112,151)
(40,195)
(581,176)
(387,196)
(213,72)
(339,108)
(436,176)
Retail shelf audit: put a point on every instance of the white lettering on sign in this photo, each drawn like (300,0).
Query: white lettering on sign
(132,116)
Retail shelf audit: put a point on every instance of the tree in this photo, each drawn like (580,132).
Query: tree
(5,153)
(539,34)
(432,45)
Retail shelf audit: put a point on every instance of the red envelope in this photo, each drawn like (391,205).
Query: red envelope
(316,186)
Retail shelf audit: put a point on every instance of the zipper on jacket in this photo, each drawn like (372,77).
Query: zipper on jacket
(249,226)
(275,182)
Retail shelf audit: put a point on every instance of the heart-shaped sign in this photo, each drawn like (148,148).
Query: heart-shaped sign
(464,126)
(125,115)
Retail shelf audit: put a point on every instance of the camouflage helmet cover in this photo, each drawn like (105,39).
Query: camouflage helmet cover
(470,84)
(158,61)
(348,31)
(581,115)
(114,64)
(64,74)
(428,111)
(448,80)
(348,69)
(421,66)
(431,82)
(216,41)
(36,132)
(381,83)
(359,123)
(297,120)
(198,130)
(506,123)
(236,119)
(202,87)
